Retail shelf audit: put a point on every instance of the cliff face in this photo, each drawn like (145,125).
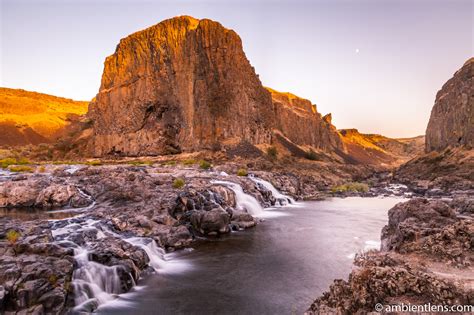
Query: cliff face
(452,117)
(33,118)
(299,121)
(181,85)
(186,85)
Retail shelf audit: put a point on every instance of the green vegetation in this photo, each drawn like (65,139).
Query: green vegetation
(170,163)
(189,162)
(353,186)
(178,183)
(4,163)
(242,172)
(20,168)
(142,162)
(41,169)
(94,163)
(272,152)
(311,155)
(53,280)
(205,165)
(12,236)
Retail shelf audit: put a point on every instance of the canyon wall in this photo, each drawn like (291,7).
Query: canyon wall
(452,117)
(186,85)
(300,122)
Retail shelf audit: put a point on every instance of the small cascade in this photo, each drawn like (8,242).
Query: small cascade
(243,201)
(281,199)
(93,283)
(154,253)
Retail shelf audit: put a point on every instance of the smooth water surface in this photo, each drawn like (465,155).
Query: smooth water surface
(279,267)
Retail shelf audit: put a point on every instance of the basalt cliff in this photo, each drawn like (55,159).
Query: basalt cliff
(452,117)
(448,163)
(186,85)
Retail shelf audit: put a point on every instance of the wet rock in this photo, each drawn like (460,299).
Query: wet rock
(213,221)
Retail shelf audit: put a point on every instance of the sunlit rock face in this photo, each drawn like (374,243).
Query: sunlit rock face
(297,118)
(452,117)
(186,85)
(181,85)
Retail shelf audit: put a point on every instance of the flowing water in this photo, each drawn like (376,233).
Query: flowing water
(279,267)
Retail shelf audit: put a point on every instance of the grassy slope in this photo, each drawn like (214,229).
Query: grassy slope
(30,117)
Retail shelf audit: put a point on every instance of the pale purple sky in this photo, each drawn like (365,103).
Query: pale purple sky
(376,65)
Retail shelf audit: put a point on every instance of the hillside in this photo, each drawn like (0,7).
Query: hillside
(33,118)
(380,150)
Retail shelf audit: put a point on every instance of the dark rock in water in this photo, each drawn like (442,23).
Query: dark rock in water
(414,219)
(428,251)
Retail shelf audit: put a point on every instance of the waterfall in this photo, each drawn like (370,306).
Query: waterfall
(154,253)
(93,283)
(243,201)
(283,200)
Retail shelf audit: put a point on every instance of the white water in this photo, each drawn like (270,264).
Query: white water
(282,200)
(93,282)
(158,258)
(244,202)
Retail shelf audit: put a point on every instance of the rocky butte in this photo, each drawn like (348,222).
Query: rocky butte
(186,85)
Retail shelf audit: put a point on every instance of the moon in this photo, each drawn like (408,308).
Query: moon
(357,50)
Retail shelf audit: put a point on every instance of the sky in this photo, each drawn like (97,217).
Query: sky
(376,65)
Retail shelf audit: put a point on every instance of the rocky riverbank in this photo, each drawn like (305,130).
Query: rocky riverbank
(119,220)
(426,257)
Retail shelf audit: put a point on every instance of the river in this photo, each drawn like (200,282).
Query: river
(279,267)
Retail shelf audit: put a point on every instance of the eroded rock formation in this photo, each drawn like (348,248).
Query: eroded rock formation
(186,85)
(299,121)
(452,117)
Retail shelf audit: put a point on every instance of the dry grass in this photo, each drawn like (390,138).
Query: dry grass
(45,114)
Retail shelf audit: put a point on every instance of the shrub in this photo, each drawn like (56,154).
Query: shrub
(242,172)
(41,169)
(204,164)
(178,183)
(272,152)
(137,163)
(4,163)
(13,236)
(311,155)
(189,162)
(53,280)
(22,161)
(94,163)
(353,186)
(171,163)
(20,168)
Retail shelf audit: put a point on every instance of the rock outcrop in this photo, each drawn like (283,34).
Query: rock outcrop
(452,117)
(448,163)
(427,258)
(186,85)
(316,131)
(181,85)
